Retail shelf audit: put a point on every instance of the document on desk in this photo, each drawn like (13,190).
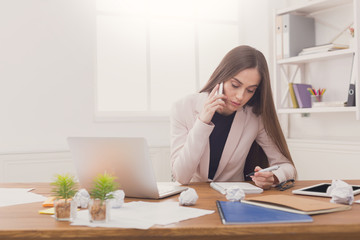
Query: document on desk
(247,187)
(296,204)
(143,215)
(15,196)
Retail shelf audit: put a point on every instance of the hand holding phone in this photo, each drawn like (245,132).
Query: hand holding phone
(214,103)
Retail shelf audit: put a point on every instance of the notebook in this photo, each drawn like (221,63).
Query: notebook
(125,158)
(296,204)
(243,213)
(247,187)
(302,95)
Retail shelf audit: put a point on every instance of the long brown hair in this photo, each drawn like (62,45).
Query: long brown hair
(246,57)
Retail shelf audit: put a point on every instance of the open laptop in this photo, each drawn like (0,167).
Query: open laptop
(125,158)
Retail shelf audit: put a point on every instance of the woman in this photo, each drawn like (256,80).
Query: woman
(212,133)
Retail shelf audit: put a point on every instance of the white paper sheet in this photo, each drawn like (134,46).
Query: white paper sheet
(143,215)
(15,196)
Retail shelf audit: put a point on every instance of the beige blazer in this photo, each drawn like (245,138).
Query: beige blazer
(190,149)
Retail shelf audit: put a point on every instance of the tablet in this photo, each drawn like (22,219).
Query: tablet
(320,190)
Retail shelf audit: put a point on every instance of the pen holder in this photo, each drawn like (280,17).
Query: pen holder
(315,99)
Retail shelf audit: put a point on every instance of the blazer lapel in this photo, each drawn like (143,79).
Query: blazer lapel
(204,163)
(233,140)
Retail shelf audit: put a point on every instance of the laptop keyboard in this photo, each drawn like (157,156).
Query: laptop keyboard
(165,188)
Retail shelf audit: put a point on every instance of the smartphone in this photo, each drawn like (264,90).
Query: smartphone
(221,88)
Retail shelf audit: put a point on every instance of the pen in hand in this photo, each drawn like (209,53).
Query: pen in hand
(269,169)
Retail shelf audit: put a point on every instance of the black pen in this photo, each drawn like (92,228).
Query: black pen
(269,169)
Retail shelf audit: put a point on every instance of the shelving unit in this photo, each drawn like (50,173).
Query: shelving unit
(321,136)
(287,70)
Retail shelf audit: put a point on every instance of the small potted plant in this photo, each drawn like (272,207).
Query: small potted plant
(99,206)
(64,189)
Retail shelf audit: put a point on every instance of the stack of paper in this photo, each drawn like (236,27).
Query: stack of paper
(15,196)
(248,188)
(328,104)
(143,215)
(323,48)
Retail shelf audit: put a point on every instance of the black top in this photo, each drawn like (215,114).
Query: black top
(218,139)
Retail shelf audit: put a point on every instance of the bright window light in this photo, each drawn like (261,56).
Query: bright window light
(152,52)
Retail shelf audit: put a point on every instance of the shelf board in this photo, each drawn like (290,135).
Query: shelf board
(317,110)
(313,6)
(316,57)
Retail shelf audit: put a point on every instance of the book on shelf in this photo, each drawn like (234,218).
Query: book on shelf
(279,37)
(302,94)
(323,48)
(328,104)
(296,204)
(292,95)
(235,212)
(298,32)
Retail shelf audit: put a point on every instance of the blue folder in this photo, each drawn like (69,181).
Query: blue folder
(242,213)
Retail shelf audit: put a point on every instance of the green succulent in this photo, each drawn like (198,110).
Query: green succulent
(64,186)
(104,184)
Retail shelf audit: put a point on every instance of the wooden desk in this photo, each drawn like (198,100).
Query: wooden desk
(24,222)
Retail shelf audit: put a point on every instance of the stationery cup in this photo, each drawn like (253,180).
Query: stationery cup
(316,98)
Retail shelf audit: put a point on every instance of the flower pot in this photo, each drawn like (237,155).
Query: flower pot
(65,209)
(99,210)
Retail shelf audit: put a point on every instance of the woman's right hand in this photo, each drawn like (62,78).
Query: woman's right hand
(213,103)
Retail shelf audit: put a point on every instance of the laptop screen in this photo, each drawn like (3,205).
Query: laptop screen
(125,158)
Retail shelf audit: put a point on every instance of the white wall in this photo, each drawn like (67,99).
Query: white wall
(47,69)
(47,75)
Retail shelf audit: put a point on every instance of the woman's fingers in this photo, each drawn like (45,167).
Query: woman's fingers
(209,110)
(263,179)
(212,104)
(214,91)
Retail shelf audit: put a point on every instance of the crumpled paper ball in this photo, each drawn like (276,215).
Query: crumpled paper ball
(82,198)
(118,199)
(341,192)
(235,193)
(188,197)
